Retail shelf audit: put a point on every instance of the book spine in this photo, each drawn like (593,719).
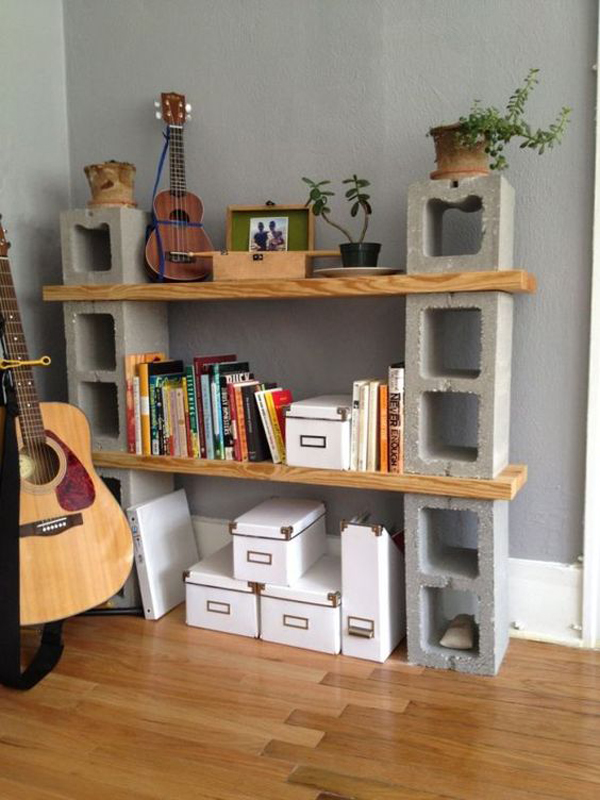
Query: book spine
(363,427)
(192,412)
(137,415)
(396,421)
(154,446)
(215,396)
(255,448)
(266,421)
(207,416)
(145,409)
(354,425)
(225,436)
(202,448)
(160,418)
(183,440)
(170,420)
(234,426)
(241,423)
(279,442)
(130,361)
(383,428)
(373,427)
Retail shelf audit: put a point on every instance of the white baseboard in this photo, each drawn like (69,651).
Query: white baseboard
(544,597)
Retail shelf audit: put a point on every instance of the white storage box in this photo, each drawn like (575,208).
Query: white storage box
(374,612)
(278,540)
(307,614)
(216,600)
(317,432)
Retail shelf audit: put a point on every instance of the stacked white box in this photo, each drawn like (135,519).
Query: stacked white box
(278,540)
(306,614)
(218,601)
(317,432)
(373,591)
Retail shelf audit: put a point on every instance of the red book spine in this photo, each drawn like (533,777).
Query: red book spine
(233,422)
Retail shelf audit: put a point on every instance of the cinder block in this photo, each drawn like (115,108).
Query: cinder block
(457,383)
(433,246)
(456,562)
(103,245)
(131,487)
(98,336)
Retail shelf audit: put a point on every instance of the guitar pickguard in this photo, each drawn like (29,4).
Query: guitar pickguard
(76,490)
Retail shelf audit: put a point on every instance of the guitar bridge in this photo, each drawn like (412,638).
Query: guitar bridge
(51,527)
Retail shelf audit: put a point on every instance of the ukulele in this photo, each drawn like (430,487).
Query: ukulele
(178,213)
(76,548)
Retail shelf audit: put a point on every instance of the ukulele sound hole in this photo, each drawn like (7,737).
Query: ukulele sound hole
(179,256)
(38,464)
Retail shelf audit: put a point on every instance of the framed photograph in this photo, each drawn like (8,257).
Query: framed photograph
(268,234)
(293,229)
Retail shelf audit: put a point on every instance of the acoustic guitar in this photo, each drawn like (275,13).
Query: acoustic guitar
(178,213)
(76,548)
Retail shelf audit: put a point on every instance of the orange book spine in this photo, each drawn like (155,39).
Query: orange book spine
(383,428)
(241,423)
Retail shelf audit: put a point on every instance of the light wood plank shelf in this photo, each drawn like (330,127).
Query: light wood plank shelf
(504,486)
(515,281)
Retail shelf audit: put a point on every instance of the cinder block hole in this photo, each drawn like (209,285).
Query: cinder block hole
(451,342)
(449,426)
(438,608)
(453,229)
(95,341)
(100,404)
(91,248)
(114,487)
(448,542)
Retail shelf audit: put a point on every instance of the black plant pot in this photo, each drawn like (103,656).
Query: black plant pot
(363,254)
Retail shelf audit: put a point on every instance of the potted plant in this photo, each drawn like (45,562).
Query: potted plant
(474,145)
(355,253)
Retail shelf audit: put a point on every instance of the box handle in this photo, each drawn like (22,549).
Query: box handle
(218,608)
(360,626)
(290,621)
(314,441)
(256,557)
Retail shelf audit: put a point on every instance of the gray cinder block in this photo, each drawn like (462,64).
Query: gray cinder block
(131,487)
(491,198)
(457,387)
(98,336)
(103,245)
(456,562)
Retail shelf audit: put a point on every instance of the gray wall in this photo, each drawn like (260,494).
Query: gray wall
(324,89)
(34,169)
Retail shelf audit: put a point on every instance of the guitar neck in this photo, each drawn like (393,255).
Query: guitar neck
(177,160)
(15,349)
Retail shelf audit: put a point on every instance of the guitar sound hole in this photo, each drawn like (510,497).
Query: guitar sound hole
(38,464)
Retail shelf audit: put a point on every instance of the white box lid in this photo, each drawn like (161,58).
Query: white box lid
(217,571)
(321,585)
(327,406)
(279,518)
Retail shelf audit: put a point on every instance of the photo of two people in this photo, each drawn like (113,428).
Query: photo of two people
(268,234)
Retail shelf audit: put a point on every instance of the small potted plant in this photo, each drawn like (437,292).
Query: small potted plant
(355,253)
(474,145)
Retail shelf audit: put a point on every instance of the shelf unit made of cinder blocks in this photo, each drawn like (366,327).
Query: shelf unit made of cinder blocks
(457,396)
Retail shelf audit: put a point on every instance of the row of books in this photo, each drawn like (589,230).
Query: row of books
(376,443)
(213,408)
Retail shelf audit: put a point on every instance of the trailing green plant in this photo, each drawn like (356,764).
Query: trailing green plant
(497,128)
(318,198)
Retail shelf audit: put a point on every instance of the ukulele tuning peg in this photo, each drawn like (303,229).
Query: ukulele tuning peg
(156,104)
(188,107)
(158,115)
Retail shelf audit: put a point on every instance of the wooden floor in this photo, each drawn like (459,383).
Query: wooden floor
(158,710)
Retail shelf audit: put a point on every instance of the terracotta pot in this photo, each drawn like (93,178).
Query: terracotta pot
(454,160)
(111,184)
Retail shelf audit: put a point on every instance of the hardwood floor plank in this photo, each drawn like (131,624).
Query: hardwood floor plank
(357,788)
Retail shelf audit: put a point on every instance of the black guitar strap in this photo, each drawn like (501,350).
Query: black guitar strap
(51,646)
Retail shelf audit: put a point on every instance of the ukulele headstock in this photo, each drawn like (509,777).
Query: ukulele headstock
(172,108)
(4,243)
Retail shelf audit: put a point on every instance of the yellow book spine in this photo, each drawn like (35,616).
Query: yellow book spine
(280,444)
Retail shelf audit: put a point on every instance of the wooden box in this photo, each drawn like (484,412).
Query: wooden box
(234,266)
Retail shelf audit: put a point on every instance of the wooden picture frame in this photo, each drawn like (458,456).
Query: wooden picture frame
(301,225)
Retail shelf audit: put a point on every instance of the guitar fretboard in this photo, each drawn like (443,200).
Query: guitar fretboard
(15,349)
(177,159)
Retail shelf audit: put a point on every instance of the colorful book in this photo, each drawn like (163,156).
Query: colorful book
(363,426)
(157,370)
(355,423)
(191,394)
(396,417)
(142,370)
(265,417)
(131,362)
(258,446)
(373,427)
(383,427)
(182,428)
(204,409)
(278,400)
(278,437)
(137,414)
(238,420)
(220,375)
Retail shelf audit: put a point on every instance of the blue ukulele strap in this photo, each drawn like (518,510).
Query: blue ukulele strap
(51,646)
(155,225)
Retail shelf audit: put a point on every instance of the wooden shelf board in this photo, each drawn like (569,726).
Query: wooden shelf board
(503,487)
(513,281)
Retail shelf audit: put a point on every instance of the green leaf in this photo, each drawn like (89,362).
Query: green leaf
(315,194)
(351,192)
(308,180)
(354,209)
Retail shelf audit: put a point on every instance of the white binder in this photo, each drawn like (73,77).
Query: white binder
(165,547)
